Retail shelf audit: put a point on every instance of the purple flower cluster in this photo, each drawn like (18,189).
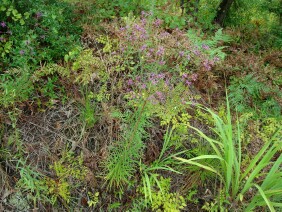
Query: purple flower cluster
(158,22)
(38,15)
(205,47)
(157,88)
(157,97)
(181,53)
(3,24)
(149,83)
(188,78)
(139,32)
(207,64)
(143,48)
(160,51)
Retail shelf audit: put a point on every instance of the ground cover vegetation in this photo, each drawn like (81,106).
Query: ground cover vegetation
(151,105)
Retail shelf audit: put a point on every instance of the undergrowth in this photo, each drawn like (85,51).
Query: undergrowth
(122,106)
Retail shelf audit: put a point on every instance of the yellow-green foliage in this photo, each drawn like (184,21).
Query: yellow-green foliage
(163,200)
(180,124)
(70,166)
(205,117)
(83,70)
(87,67)
(108,45)
(93,199)
(58,188)
(270,126)
(69,170)
(260,129)
(51,69)
(7,6)
(102,95)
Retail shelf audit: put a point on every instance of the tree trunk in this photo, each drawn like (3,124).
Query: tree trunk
(224,7)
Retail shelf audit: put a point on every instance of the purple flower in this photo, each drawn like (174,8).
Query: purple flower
(130,82)
(157,22)
(138,78)
(164,35)
(184,76)
(194,77)
(181,53)
(3,24)
(38,15)
(144,36)
(196,52)
(167,82)
(22,52)
(216,59)
(143,48)
(188,57)
(207,65)
(205,47)
(154,82)
(160,51)
(188,83)
(160,76)
(162,63)
(160,96)
(139,28)
(143,86)
(152,99)
(143,21)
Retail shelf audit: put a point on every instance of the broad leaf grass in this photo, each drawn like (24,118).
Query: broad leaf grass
(238,181)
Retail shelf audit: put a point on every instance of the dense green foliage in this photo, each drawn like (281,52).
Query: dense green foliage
(151,105)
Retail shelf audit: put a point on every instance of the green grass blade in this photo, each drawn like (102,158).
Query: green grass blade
(272,175)
(148,185)
(208,168)
(267,201)
(263,163)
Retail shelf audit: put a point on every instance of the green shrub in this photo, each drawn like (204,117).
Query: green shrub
(41,31)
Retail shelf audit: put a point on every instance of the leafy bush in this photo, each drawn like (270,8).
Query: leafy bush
(41,31)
